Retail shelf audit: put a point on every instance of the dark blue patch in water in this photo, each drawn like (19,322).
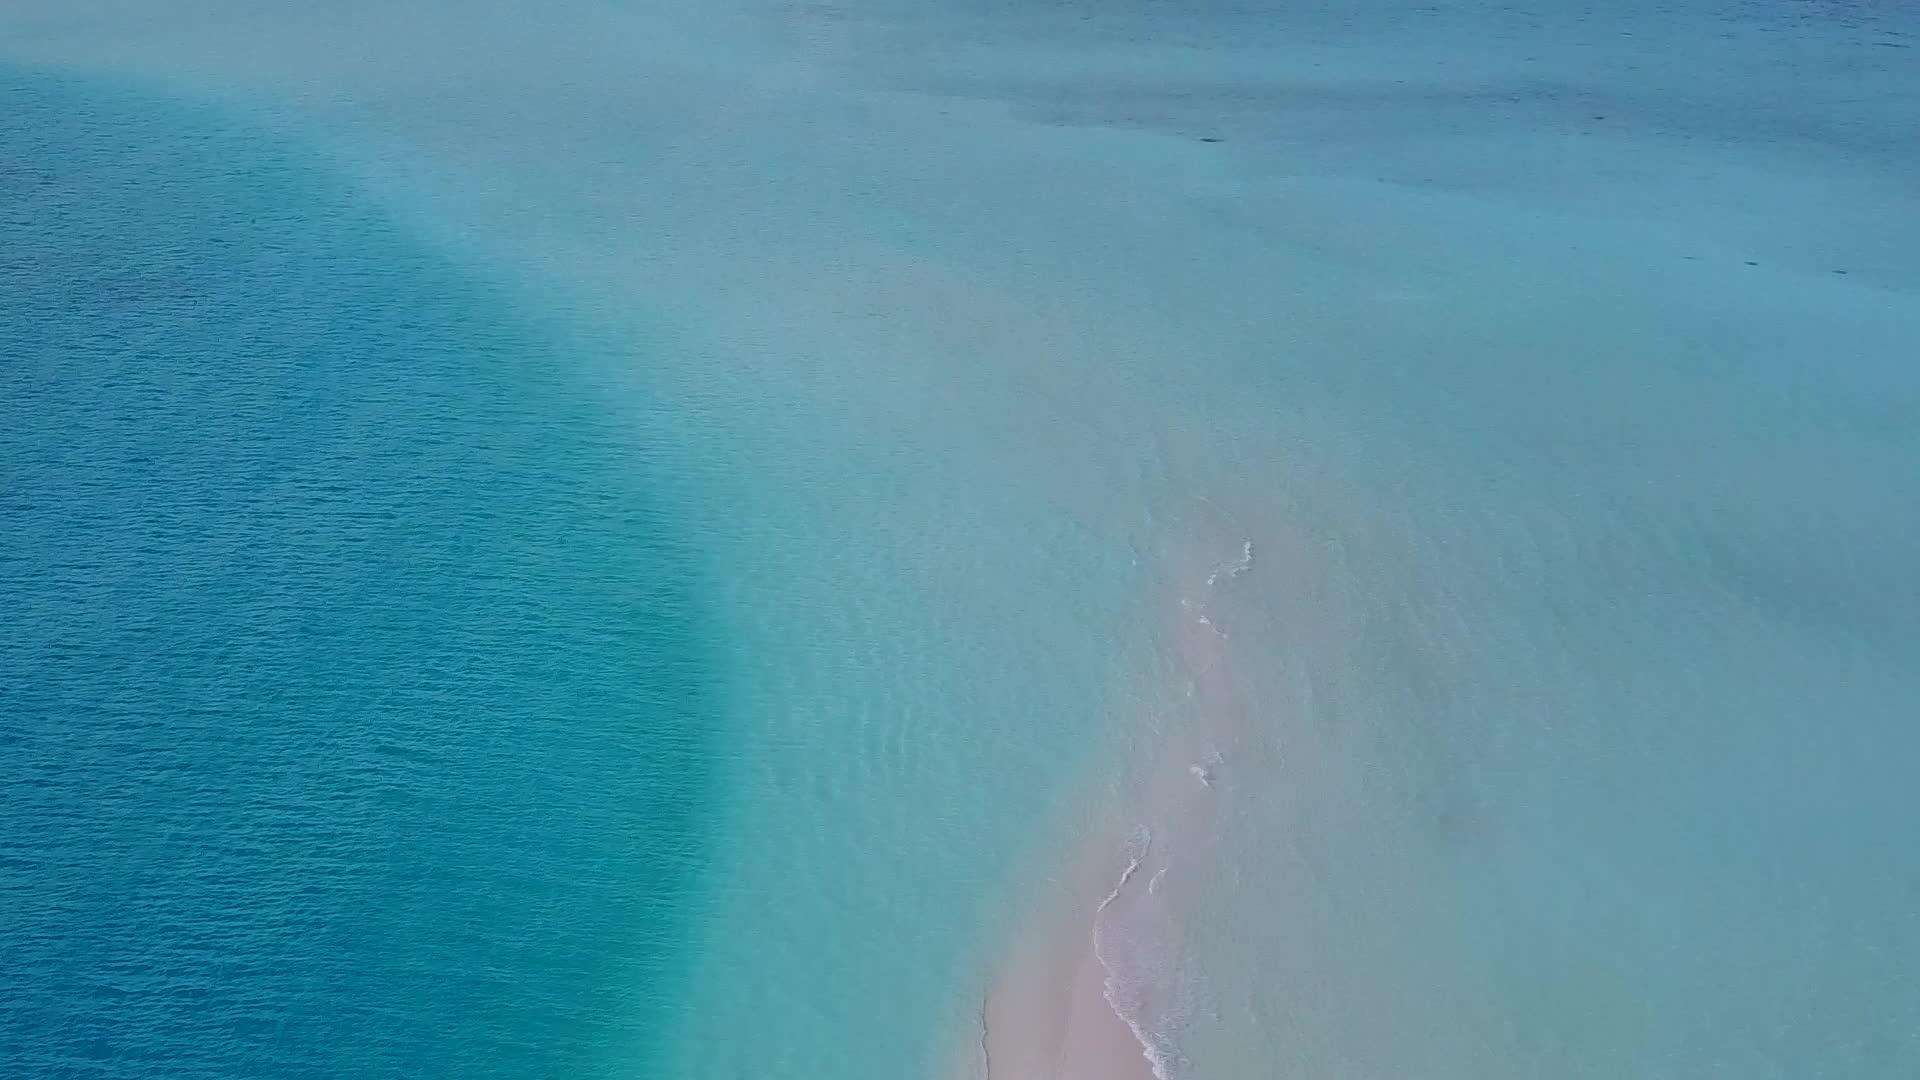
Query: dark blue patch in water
(354,710)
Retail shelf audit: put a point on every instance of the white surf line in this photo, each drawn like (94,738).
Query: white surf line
(1141,841)
(986,1044)
(1156,1058)
(1145,844)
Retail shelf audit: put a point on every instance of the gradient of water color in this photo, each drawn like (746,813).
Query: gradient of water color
(1422,486)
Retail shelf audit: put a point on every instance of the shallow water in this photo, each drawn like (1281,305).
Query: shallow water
(1541,372)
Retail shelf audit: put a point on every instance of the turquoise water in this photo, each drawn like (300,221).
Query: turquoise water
(355,696)
(1476,438)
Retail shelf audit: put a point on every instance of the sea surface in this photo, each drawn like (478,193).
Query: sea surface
(601,539)
(356,702)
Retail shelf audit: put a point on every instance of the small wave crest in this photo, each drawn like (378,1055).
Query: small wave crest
(1234,569)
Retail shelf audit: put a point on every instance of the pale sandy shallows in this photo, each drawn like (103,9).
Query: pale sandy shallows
(1089,987)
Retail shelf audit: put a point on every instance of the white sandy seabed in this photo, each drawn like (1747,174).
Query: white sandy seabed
(1264,540)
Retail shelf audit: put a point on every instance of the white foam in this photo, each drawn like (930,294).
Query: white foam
(1121,994)
(1234,569)
(1139,843)
(1132,865)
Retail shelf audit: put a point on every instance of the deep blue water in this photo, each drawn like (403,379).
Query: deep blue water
(354,704)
